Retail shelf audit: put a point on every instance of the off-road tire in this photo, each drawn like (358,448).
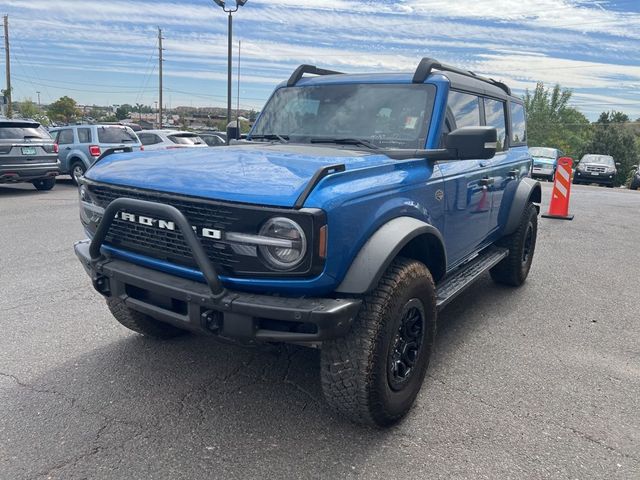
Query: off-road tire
(44,184)
(356,369)
(141,323)
(513,270)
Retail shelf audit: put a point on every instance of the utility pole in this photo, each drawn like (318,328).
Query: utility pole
(8,64)
(238,89)
(229,68)
(38,99)
(160,82)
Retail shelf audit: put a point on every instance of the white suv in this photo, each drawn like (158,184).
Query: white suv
(166,139)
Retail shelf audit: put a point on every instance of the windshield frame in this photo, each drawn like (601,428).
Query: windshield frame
(307,139)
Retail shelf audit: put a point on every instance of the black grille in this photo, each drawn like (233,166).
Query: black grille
(170,245)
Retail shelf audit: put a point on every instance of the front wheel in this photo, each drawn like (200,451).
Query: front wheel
(373,375)
(44,184)
(514,269)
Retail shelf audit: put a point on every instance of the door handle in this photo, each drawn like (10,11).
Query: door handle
(514,173)
(486,181)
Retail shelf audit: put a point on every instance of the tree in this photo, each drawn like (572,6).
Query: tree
(552,123)
(123,111)
(28,109)
(65,110)
(613,136)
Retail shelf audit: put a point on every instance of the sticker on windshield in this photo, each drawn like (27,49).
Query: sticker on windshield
(410,122)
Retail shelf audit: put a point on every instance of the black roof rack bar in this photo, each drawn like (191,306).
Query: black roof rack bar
(427,65)
(312,69)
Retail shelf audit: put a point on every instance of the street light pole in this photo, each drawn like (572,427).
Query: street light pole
(229,66)
(230,11)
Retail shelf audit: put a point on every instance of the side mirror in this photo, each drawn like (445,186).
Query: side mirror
(618,164)
(472,143)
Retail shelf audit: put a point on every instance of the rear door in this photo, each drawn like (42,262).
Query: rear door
(467,190)
(512,160)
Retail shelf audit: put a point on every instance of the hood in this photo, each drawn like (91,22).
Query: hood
(271,174)
(545,160)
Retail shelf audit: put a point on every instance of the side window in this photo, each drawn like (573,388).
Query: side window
(518,124)
(84,135)
(65,137)
(494,114)
(148,138)
(463,110)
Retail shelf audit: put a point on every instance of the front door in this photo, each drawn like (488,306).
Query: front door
(468,188)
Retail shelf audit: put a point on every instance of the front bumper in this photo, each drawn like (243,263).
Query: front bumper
(594,177)
(28,172)
(191,305)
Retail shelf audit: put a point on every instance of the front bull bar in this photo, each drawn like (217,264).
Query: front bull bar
(168,212)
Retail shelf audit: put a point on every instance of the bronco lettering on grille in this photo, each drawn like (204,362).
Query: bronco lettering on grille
(167,225)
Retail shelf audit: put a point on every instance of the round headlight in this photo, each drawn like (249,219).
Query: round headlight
(289,246)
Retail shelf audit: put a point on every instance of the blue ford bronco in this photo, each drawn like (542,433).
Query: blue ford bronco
(357,208)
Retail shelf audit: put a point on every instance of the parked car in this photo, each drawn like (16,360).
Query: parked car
(169,139)
(213,139)
(545,162)
(27,154)
(358,207)
(600,169)
(81,145)
(635,178)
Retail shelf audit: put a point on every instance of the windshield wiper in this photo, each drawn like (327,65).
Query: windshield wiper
(27,137)
(271,136)
(347,141)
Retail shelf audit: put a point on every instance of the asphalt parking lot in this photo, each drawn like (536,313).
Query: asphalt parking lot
(537,382)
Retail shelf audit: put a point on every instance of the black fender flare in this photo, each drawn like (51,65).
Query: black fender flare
(383,247)
(527,190)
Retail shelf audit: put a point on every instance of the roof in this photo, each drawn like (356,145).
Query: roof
(457,81)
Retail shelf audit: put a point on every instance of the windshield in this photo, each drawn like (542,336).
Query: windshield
(383,115)
(23,133)
(186,139)
(542,152)
(601,159)
(116,135)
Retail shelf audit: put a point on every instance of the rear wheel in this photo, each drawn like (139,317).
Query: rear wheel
(374,374)
(514,269)
(141,323)
(44,184)
(77,171)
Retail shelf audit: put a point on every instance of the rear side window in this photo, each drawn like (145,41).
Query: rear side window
(149,138)
(186,139)
(116,135)
(518,124)
(65,137)
(494,114)
(463,110)
(84,135)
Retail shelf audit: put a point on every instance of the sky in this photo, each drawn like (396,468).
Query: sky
(105,52)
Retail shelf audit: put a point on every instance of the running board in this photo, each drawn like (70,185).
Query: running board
(455,283)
